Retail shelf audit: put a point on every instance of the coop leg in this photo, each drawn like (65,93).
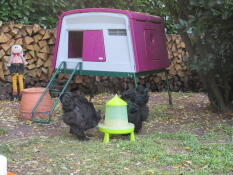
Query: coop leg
(135,81)
(168,89)
(93,89)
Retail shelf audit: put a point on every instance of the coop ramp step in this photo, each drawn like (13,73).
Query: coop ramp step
(62,68)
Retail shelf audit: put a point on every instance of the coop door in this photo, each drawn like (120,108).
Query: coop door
(151,44)
(93,46)
(75,44)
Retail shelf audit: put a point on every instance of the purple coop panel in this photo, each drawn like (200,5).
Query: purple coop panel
(95,42)
(149,43)
(111,40)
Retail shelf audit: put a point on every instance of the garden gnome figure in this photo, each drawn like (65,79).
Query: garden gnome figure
(16,66)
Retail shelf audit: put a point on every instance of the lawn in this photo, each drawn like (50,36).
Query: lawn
(184,139)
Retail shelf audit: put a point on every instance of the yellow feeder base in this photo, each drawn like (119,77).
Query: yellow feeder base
(107,131)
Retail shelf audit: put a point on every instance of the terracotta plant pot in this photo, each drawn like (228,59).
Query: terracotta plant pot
(29,99)
(10,173)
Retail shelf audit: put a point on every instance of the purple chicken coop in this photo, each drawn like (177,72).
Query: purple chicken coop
(110,42)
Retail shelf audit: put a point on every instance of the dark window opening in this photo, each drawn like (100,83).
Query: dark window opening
(117,32)
(75,44)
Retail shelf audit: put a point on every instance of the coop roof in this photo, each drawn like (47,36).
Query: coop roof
(131,15)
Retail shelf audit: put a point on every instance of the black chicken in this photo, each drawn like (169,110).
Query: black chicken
(138,111)
(79,114)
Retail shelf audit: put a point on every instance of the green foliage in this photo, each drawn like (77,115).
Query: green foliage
(210,24)
(213,21)
(206,27)
(46,12)
(29,11)
(15,10)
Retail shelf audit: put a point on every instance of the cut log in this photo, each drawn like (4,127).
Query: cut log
(38,72)
(36,47)
(29,30)
(45,49)
(43,76)
(14,31)
(29,47)
(8,45)
(1,71)
(43,56)
(28,40)
(19,26)
(5,28)
(173,48)
(5,58)
(48,63)
(5,37)
(44,70)
(51,41)
(40,62)
(178,67)
(19,41)
(21,33)
(27,56)
(182,45)
(32,53)
(36,28)
(37,38)
(50,72)
(31,66)
(42,43)
(32,73)
(46,35)
(42,31)
(54,32)
(31,61)
(2,53)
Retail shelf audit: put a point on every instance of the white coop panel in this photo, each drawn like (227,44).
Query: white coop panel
(117,52)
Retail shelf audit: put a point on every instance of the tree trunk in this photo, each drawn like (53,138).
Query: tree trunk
(216,96)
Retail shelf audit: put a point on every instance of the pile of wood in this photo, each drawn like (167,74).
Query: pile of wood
(181,78)
(38,44)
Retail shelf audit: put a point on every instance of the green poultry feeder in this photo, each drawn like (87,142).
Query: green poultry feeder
(116,120)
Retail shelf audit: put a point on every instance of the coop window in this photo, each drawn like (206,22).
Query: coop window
(117,32)
(75,44)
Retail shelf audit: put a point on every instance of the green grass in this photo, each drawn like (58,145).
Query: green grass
(159,112)
(2,131)
(160,153)
(163,152)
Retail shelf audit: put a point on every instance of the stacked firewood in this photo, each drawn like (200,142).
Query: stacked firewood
(179,74)
(38,44)
(182,76)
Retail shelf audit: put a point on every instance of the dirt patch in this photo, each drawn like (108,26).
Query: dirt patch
(190,112)
(18,130)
